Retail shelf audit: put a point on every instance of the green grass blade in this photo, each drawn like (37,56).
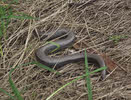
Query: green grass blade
(39,65)
(63,87)
(14,89)
(12,1)
(22,17)
(1,33)
(80,77)
(88,82)
(1,50)
(45,67)
(57,45)
(99,69)
(5,92)
(2,11)
(2,28)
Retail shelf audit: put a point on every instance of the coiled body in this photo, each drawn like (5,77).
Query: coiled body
(43,52)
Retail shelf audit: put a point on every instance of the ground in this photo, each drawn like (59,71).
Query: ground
(102,26)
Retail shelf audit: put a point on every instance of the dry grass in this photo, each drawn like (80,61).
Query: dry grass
(93,25)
